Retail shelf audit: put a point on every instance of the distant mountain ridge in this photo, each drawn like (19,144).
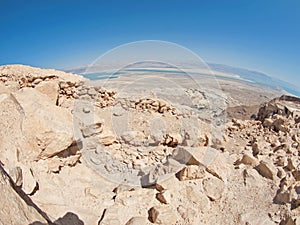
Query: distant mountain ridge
(257,77)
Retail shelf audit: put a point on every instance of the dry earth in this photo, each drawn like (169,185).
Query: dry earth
(145,150)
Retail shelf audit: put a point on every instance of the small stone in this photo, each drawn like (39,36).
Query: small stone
(281,173)
(290,166)
(282,197)
(213,188)
(281,161)
(255,149)
(248,160)
(267,170)
(162,215)
(164,196)
(296,203)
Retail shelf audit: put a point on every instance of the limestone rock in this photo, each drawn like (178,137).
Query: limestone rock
(14,210)
(48,127)
(164,196)
(191,172)
(162,215)
(29,183)
(248,160)
(49,88)
(267,169)
(213,188)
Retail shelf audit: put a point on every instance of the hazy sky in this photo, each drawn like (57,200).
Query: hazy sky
(262,35)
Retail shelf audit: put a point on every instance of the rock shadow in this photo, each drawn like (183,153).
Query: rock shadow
(68,219)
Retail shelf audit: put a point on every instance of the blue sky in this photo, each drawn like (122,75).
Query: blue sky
(262,35)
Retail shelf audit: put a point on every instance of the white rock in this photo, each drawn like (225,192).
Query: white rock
(213,188)
(48,127)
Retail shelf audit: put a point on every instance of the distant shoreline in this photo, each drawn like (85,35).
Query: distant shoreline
(201,72)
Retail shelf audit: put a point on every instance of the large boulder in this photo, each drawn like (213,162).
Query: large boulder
(47,127)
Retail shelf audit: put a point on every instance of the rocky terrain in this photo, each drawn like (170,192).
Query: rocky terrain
(133,151)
